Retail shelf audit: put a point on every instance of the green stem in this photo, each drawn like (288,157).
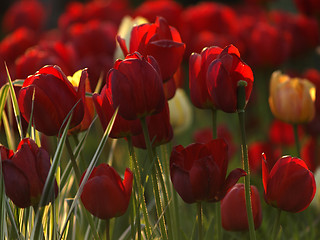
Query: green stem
(218,225)
(141,198)
(199,220)
(107,229)
(159,207)
(245,160)
(296,138)
(214,123)
(73,161)
(276,225)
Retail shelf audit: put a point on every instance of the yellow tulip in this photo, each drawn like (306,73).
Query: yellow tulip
(291,99)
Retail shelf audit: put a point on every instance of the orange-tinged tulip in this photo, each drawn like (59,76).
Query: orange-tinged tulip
(291,99)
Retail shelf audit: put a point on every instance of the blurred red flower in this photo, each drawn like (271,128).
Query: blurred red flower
(234,212)
(25,13)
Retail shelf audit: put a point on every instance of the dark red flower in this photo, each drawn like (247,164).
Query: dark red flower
(121,127)
(223,76)
(198,172)
(160,130)
(198,67)
(136,86)
(289,184)
(159,40)
(25,13)
(25,173)
(54,97)
(47,53)
(234,212)
(94,43)
(105,195)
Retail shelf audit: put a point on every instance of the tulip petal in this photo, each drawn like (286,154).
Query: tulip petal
(232,179)
(16,184)
(127,182)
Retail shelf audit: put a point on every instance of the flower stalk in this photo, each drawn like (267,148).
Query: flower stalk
(244,152)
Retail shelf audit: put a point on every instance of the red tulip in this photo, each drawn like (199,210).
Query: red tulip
(198,172)
(54,97)
(105,195)
(198,67)
(289,184)
(159,127)
(159,40)
(136,86)
(121,127)
(25,173)
(234,212)
(223,76)
(310,153)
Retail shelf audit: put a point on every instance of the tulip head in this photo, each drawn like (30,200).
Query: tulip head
(136,86)
(234,212)
(54,98)
(289,185)
(25,173)
(198,172)
(105,195)
(291,99)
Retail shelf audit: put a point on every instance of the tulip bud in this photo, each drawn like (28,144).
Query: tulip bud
(291,99)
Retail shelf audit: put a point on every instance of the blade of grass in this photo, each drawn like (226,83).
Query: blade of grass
(2,205)
(14,103)
(12,220)
(86,176)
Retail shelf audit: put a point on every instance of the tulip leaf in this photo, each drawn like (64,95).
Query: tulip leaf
(15,103)
(92,164)
(9,132)
(3,97)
